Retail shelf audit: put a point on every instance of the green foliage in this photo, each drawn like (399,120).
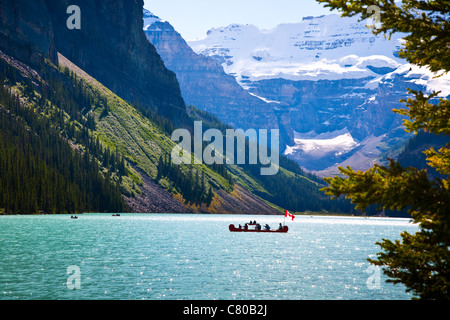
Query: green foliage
(192,186)
(39,170)
(433,118)
(391,187)
(413,155)
(164,123)
(419,261)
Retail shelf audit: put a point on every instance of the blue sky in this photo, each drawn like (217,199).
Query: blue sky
(192,18)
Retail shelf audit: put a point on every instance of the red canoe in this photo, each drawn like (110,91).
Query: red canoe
(234,229)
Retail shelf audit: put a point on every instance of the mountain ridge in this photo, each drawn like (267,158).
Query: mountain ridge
(327,74)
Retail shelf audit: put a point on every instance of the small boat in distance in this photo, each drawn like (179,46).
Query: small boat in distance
(116,215)
(73,217)
(232,228)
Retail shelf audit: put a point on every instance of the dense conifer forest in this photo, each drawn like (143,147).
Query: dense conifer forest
(40,171)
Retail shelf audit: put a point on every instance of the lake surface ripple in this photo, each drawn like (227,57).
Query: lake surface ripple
(173,256)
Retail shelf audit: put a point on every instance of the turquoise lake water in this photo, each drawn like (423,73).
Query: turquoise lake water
(195,257)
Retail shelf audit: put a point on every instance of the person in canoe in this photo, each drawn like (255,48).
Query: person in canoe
(280,227)
(267,227)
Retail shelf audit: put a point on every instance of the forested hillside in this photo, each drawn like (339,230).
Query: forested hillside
(81,148)
(39,170)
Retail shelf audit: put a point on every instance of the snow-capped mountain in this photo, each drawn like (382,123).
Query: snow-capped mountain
(317,48)
(326,82)
(333,82)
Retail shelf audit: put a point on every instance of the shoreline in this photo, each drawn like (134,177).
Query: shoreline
(302,214)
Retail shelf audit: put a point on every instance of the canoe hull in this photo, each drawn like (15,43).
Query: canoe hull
(234,229)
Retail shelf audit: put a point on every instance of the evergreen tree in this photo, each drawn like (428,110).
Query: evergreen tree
(191,185)
(210,196)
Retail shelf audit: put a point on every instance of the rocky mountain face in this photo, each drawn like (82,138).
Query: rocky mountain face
(26,31)
(332,83)
(110,45)
(203,81)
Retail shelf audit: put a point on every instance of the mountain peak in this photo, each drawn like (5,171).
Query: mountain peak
(150,18)
(312,17)
(233,29)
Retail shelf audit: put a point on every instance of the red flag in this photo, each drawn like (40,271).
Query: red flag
(288,214)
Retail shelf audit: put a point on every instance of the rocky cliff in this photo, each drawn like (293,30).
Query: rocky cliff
(112,47)
(26,31)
